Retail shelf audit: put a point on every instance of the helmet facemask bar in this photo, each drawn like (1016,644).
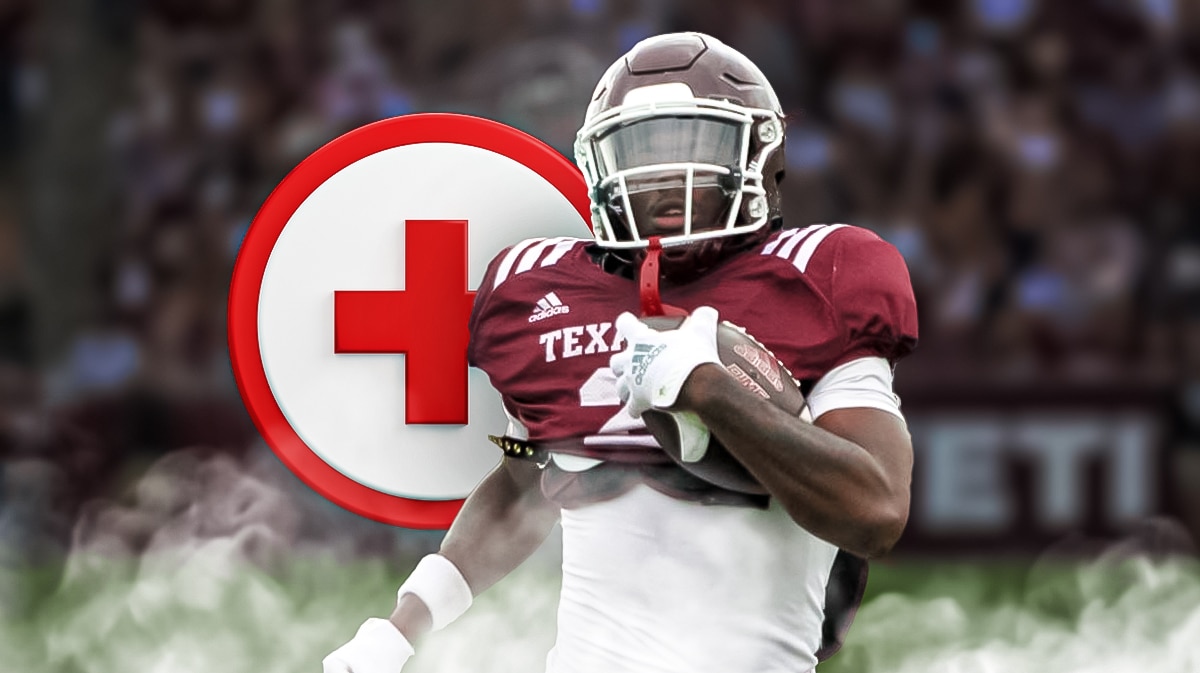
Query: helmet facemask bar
(621,152)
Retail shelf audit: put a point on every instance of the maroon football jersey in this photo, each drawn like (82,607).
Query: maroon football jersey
(542,324)
(542,329)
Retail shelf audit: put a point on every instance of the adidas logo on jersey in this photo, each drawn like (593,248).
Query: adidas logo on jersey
(547,307)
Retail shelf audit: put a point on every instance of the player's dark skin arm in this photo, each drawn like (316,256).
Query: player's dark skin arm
(845,478)
(505,519)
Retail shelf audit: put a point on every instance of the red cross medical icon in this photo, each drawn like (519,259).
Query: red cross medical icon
(350,302)
(382,321)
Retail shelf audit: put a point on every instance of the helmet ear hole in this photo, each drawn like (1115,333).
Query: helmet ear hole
(757,207)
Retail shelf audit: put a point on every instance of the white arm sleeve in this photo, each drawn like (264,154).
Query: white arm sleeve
(865,382)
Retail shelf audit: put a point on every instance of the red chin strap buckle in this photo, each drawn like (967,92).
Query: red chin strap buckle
(648,284)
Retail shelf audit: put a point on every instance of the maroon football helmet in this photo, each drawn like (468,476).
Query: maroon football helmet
(683,139)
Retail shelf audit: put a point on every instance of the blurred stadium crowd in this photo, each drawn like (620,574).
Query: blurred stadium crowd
(1036,162)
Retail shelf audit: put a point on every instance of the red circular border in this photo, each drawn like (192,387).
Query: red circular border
(264,231)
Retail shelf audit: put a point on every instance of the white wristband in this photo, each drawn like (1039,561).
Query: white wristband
(441,587)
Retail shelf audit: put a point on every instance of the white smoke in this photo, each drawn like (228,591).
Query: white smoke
(1107,616)
(211,563)
(219,565)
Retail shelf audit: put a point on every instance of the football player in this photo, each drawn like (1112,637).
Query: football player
(682,148)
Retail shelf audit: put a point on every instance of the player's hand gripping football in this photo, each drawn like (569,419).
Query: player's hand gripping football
(378,647)
(654,365)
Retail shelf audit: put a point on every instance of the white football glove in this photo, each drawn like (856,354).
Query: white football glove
(378,647)
(652,368)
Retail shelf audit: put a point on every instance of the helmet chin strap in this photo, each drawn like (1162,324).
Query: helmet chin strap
(648,283)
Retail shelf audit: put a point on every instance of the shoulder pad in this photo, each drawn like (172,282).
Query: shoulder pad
(799,245)
(532,252)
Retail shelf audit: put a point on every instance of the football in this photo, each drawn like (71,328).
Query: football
(758,370)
